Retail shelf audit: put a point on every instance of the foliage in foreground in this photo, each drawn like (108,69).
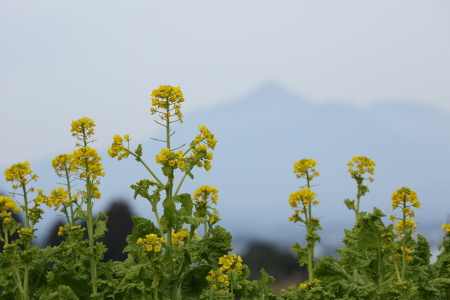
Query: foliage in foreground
(179,251)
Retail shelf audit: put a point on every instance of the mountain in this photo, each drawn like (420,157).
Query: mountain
(262,134)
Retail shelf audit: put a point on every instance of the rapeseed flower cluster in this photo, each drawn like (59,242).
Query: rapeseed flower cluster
(204,140)
(402,196)
(20,174)
(304,168)
(25,232)
(446,227)
(308,285)
(360,165)
(203,197)
(66,229)
(57,197)
(220,279)
(206,193)
(87,162)
(179,238)
(405,198)
(407,251)
(63,164)
(40,198)
(408,224)
(83,130)
(7,207)
(151,243)
(305,197)
(169,158)
(166,101)
(117,148)
(206,137)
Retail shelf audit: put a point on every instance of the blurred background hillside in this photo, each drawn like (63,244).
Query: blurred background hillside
(274,81)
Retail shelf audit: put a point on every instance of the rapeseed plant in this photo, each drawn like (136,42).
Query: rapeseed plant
(302,202)
(404,198)
(21,176)
(359,167)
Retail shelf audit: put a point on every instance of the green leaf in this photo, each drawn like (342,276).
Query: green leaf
(302,254)
(100,226)
(141,228)
(138,152)
(184,214)
(194,281)
(350,204)
(217,244)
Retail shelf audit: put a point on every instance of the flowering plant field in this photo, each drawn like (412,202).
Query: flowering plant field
(179,251)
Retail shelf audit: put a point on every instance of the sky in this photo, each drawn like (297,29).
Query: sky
(63,60)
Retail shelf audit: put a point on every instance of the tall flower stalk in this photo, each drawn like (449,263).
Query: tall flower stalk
(21,176)
(302,202)
(405,199)
(359,167)
(88,168)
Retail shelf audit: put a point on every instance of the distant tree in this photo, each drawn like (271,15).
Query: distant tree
(281,264)
(119,227)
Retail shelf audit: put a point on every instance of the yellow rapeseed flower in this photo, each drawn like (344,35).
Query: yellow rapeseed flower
(117,148)
(87,162)
(151,243)
(57,197)
(305,168)
(20,173)
(62,164)
(166,101)
(402,196)
(8,204)
(360,165)
(83,129)
(446,227)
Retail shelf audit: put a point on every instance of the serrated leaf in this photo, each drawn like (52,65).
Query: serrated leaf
(100,226)
(138,152)
(141,228)
(194,281)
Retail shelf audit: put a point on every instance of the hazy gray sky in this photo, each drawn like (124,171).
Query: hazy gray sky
(62,60)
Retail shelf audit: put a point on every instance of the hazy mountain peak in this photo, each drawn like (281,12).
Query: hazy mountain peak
(270,94)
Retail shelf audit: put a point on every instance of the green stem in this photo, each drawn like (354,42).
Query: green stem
(179,185)
(155,285)
(89,221)
(205,229)
(310,233)
(404,247)
(69,188)
(25,198)
(19,281)
(158,219)
(5,232)
(26,278)
(147,167)
(358,200)
(27,245)
(16,269)
(90,226)
(397,272)
(356,274)
(380,264)
(310,260)
(169,191)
